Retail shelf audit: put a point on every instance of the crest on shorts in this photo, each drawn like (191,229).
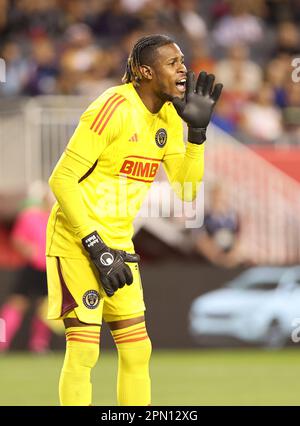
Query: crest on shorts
(91,299)
(161,138)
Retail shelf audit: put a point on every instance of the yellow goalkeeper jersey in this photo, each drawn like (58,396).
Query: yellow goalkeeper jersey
(108,166)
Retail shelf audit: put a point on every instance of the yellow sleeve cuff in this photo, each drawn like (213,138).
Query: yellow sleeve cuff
(193,150)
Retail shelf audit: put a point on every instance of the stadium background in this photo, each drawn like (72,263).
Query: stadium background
(60,54)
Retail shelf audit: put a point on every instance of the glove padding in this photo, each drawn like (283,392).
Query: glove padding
(197,106)
(113,271)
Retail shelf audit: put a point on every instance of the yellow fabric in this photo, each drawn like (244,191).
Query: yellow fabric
(108,318)
(134,351)
(81,278)
(82,353)
(119,133)
(70,314)
(111,318)
(56,326)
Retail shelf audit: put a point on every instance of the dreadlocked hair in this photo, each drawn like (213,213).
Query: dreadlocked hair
(141,54)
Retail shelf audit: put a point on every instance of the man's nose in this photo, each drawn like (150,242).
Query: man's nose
(182,68)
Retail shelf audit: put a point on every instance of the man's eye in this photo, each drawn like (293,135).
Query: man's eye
(175,61)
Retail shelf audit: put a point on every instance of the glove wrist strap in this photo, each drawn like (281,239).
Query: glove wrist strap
(93,243)
(196,135)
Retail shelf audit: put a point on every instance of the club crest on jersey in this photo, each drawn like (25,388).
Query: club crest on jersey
(161,138)
(91,299)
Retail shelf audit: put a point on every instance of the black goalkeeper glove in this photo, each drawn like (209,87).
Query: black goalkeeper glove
(113,271)
(197,106)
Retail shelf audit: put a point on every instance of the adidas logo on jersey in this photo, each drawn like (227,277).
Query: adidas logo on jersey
(134,138)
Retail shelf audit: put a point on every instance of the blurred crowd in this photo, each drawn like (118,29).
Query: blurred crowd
(80,47)
(28,287)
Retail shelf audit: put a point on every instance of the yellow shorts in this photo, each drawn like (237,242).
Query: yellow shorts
(73,285)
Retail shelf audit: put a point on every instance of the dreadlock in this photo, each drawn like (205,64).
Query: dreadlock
(142,54)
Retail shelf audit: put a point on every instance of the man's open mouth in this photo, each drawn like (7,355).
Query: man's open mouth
(180,84)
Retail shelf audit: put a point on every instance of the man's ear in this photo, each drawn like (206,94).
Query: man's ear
(146,72)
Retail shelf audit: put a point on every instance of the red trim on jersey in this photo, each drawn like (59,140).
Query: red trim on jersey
(106,111)
(109,117)
(110,105)
(145,158)
(104,106)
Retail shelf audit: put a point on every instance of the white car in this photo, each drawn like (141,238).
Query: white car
(259,306)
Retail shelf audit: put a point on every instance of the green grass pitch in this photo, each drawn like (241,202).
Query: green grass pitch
(194,377)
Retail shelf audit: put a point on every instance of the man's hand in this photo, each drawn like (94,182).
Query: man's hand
(197,106)
(113,271)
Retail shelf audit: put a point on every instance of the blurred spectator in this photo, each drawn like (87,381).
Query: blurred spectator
(241,78)
(80,48)
(193,24)
(43,68)
(276,73)
(114,22)
(288,39)
(155,16)
(201,57)
(218,239)
(133,6)
(278,11)
(17,69)
(28,237)
(79,57)
(31,18)
(238,73)
(291,113)
(225,116)
(4,14)
(261,119)
(99,76)
(78,11)
(239,25)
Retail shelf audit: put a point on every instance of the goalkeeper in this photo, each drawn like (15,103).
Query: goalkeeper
(100,182)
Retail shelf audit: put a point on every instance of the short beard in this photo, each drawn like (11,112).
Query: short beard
(165,97)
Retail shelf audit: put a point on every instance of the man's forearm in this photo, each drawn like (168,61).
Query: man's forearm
(186,172)
(64,184)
